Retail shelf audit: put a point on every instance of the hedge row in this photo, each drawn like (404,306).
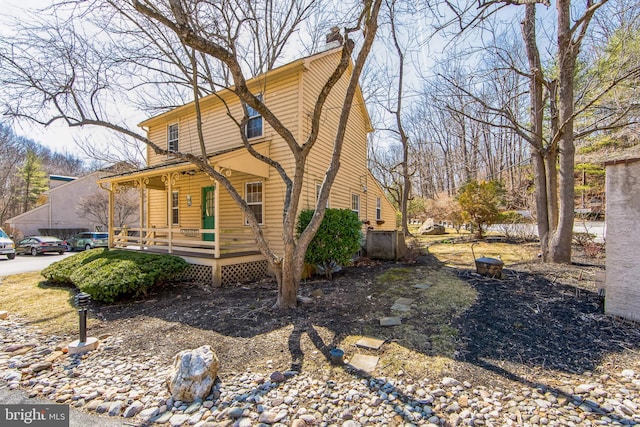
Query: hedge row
(108,275)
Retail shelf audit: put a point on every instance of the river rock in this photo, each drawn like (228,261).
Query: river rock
(193,374)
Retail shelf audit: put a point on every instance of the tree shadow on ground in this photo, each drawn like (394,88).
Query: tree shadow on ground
(524,320)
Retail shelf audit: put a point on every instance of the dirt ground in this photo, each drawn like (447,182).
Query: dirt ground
(538,321)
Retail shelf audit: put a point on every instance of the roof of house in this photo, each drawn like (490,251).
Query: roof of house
(300,63)
(622,161)
(173,163)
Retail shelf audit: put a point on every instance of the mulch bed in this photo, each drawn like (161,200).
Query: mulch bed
(537,319)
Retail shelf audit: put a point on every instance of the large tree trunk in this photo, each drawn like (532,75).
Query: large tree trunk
(560,244)
(540,155)
(554,180)
(288,274)
(542,212)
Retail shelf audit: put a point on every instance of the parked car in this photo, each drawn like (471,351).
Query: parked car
(36,245)
(88,240)
(7,247)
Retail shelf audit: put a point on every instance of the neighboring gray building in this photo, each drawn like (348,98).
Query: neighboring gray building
(622,282)
(59,210)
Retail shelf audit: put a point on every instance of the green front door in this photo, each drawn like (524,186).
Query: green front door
(208,212)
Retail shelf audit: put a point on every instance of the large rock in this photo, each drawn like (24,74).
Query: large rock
(193,374)
(429,227)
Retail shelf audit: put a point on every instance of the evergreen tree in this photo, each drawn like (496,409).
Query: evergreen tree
(34,180)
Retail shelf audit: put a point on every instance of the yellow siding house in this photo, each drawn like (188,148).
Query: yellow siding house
(185,212)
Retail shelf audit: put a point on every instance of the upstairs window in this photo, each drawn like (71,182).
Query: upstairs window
(254,125)
(253,197)
(355,204)
(172,138)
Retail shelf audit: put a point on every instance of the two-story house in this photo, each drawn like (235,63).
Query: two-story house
(185,212)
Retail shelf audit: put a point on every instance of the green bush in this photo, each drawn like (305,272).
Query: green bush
(480,203)
(60,272)
(336,241)
(108,275)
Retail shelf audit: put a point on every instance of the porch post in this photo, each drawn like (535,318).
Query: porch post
(141,213)
(169,216)
(216,213)
(111,191)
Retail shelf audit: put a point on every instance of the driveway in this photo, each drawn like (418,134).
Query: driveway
(595,228)
(28,263)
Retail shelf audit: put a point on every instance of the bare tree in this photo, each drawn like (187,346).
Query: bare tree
(95,208)
(180,50)
(552,129)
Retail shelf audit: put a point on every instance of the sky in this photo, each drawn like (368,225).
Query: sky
(57,136)
(60,137)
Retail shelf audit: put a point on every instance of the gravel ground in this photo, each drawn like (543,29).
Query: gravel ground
(534,348)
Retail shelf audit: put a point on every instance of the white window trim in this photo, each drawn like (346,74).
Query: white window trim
(261,203)
(175,208)
(378,208)
(176,140)
(259,96)
(356,211)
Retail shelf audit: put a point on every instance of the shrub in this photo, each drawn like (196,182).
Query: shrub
(60,272)
(336,241)
(108,275)
(480,202)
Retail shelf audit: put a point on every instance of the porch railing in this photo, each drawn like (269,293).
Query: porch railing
(183,240)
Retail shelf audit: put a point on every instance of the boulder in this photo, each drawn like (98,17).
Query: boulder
(193,374)
(429,227)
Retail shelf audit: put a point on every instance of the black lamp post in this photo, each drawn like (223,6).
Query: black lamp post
(82,301)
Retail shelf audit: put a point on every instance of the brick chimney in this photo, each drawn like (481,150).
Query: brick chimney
(334,38)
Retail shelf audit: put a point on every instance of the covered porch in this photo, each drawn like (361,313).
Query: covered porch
(185,212)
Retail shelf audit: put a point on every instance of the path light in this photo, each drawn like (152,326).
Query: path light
(82,301)
(84,344)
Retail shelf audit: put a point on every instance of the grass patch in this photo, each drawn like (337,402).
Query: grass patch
(50,308)
(395,358)
(460,254)
(446,298)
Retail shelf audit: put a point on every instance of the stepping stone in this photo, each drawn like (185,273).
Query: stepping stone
(402,304)
(390,321)
(422,286)
(400,307)
(372,343)
(363,362)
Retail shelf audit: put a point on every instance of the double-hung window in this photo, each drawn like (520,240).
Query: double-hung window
(254,125)
(172,138)
(175,208)
(355,204)
(253,197)
(378,209)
